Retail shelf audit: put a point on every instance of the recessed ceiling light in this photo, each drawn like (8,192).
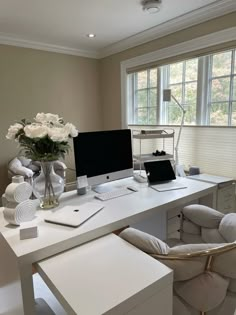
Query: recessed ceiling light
(91,35)
(151,6)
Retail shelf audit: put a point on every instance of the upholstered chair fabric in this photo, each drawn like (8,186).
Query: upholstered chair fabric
(200,286)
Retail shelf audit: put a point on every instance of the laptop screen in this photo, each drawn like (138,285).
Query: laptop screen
(159,171)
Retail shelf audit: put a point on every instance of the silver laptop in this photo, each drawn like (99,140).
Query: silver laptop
(74,216)
(161,176)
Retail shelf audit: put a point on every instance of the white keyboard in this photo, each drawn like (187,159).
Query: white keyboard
(113,194)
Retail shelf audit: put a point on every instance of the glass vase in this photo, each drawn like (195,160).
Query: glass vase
(48,186)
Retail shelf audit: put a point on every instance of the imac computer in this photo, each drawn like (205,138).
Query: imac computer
(103,156)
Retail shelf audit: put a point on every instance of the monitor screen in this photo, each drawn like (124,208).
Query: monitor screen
(103,155)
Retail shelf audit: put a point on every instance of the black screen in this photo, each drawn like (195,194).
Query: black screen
(102,152)
(158,171)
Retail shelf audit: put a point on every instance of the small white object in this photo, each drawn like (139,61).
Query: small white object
(113,194)
(82,181)
(28,230)
(18,190)
(82,184)
(19,213)
(132,188)
(151,6)
(140,178)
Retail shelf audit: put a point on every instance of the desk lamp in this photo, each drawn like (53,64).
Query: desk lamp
(167,98)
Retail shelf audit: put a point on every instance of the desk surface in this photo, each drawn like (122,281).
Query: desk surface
(117,213)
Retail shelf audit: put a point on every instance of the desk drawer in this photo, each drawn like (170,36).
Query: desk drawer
(226,199)
(173,225)
(173,212)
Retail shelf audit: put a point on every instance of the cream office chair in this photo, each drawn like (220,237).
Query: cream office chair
(205,270)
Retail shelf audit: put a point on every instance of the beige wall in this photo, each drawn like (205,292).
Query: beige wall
(110,66)
(84,91)
(33,81)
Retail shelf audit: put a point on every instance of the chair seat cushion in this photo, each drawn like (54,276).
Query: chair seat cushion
(204,292)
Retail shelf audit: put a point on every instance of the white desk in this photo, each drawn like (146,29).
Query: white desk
(109,276)
(17,256)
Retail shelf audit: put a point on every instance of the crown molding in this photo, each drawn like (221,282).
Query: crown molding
(197,16)
(7,39)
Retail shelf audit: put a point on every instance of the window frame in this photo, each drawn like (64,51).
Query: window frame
(225,36)
(203,92)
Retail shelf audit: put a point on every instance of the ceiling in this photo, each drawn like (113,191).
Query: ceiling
(62,25)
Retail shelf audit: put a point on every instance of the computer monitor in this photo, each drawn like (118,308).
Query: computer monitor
(103,156)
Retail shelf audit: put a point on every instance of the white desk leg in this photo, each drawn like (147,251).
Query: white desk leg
(27,289)
(209,200)
(12,299)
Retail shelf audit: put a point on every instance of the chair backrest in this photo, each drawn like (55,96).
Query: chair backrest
(201,224)
(204,274)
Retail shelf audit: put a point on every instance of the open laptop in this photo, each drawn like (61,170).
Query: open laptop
(74,216)
(161,176)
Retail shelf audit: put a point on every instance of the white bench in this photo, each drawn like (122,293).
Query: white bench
(108,276)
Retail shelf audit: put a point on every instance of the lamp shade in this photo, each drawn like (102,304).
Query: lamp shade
(166,95)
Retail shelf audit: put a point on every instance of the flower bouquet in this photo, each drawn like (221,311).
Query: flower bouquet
(45,140)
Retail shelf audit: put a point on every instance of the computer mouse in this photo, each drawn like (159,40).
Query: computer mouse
(132,188)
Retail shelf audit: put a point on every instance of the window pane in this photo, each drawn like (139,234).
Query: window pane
(191,70)
(174,115)
(153,77)
(191,93)
(220,90)
(141,116)
(152,116)
(219,114)
(142,79)
(176,91)
(153,98)
(233,122)
(234,89)
(235,62)
(221,64)
(142,98)
(176,72)
(190,116)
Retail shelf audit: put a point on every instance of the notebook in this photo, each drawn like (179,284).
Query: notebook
(161,176)
(74,216)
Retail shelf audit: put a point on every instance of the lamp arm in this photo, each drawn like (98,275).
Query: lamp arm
(180,130)
(181,106)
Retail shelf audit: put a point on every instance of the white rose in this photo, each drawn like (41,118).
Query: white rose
(47,118)
(71,130)
(13,130)
(58,134)
(35,131)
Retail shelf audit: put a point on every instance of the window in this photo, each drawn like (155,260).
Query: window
(204,86)
(144,104)
(222,89)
